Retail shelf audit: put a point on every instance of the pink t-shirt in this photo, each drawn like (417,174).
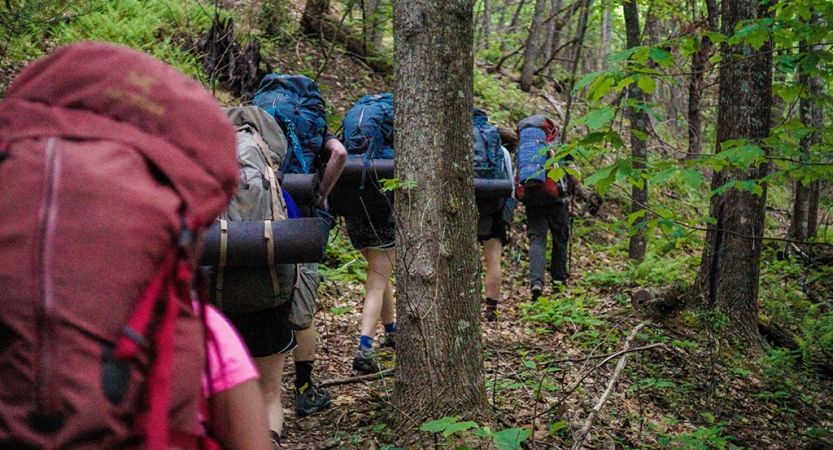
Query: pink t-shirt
(229,362)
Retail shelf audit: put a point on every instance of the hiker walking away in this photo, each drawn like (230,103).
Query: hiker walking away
(297,104)
(492,161)
(112,164)
(546,200)
(369,219)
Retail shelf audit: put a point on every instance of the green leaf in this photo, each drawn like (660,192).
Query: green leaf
(662,57)
(600,88)
(716,59)
(641,135)
(600,117)
(716,38)
(641,55)
(530,364)
(587,79)
(659,177)
(633,216)
(438,425)
(511,438)
(604,177)
(594,138)
(624,83)
(647,84)
(461,426)
(692,178)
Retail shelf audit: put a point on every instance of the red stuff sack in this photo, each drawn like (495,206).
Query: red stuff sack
(111,164)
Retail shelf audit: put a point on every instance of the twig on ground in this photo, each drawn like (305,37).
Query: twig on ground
(585,430)
(357,379)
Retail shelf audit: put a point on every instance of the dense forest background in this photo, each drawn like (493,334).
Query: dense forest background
(699,310)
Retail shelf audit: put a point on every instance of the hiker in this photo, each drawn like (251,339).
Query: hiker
(492,162)
(546,200)
(237,416)
(112,163)
(492,242)
(369,219)
(299,107)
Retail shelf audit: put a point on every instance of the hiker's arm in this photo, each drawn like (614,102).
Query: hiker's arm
(335,165)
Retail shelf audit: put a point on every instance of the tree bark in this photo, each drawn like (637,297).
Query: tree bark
(638,117)
(372,25)
(730,268)
(699,63)
(604,39)
(440,354)
(532,49)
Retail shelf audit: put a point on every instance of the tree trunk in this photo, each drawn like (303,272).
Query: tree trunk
(812,116)
(440,354)
(730,268)
(639,151)
(699,63)
(532,49)
(372,25)
(604,39)
(316,21)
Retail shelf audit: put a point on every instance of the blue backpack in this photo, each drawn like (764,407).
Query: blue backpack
(533,184)
(368,127)
(486,142)
(297,104)
(487,158)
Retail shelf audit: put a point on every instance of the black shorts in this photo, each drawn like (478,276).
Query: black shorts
(492,227)
(365,233)
(265,332)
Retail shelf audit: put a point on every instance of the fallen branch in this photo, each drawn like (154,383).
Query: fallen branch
(358,379)
(585,430)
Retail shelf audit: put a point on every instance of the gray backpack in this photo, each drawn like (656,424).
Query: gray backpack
(261,148)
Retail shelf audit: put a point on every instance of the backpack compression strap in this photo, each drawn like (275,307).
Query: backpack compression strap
(278,212)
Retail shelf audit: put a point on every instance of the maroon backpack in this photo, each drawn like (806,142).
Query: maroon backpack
(111,165)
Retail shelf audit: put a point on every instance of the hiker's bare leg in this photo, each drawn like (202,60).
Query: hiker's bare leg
(238,418)
(271,377)
(492,250)
(379,292)
(305,351)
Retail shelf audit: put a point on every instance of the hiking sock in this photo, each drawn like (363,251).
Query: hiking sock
(365,343)
(303,373)
(390,327)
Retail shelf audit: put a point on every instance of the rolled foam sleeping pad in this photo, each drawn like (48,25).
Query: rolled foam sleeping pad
(376,169)
(486,188)
(296,241)
(305,189)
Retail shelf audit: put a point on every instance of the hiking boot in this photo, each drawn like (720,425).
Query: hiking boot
(390,341)
(365,362)
(310,399)
(536,290)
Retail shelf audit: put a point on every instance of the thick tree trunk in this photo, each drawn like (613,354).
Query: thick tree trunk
(730,269)
(532,49)
(699,63)
(639,151)
(439,353)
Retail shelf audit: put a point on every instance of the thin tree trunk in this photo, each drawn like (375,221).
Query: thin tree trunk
(604,39)
(639,151)
(532,49)
(729,273)
(812,116)
(514,22)
(699,63)
(439,360)
(372,24)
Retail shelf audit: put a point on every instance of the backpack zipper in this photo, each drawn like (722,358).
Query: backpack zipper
(47,226)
